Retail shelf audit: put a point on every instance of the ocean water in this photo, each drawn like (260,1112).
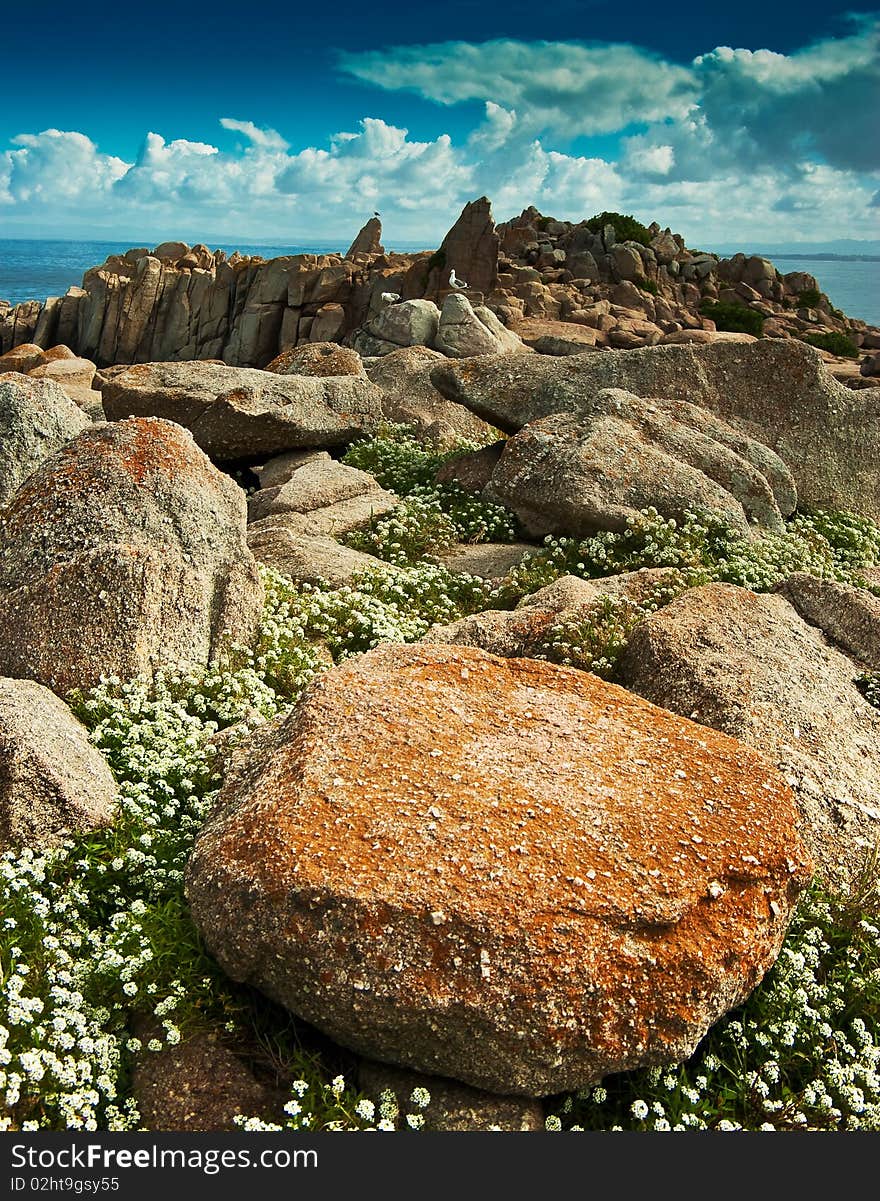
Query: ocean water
(35,269)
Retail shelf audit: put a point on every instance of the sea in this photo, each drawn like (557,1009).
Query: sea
(35,269)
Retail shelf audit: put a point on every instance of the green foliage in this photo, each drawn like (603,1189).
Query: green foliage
(398,460)
(626,227)
(809,298)
(834,342)
(733,318)
(648,285)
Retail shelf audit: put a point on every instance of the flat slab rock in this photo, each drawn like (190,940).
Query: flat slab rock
(236,412)
(500,871)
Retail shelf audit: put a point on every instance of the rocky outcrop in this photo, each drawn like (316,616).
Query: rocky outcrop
(308,559)
(318,483)
(236,412)
(501,871)
(777,392)
(176,303)
(465,331)
(848,616)
(318,358)
(748,665)
(53,782)
(36,419)
(124,551)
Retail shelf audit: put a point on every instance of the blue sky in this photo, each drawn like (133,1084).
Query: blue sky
(227,121)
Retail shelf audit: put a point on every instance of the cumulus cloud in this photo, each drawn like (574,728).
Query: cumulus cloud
(567,88)
(739,143)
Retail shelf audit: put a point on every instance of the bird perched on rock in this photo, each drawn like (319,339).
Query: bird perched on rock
(390,297)
(454,281)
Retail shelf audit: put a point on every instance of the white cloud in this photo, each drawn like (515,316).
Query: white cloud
(57,164)
(268,139)
(568,88)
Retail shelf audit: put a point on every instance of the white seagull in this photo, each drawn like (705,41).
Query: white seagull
(390,297)
(454,281)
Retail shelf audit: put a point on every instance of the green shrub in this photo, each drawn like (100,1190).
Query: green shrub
(809,298)
(626,227)
(834,342)
(733,318)
(648,285)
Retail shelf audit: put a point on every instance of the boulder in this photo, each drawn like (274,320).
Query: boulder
(410,323)
(281,468)
(575,474)
(326,521)
(36,418)
(524,631)
(75,376)
(315,484)
(318,358)
(452,1106)
(750,666)
(486,560)
(409,398)
(465,331)
(501,871)
(848,616)
(23,358)
(236,412)
(53,782)
(627,261)
(123,552)
(778,391)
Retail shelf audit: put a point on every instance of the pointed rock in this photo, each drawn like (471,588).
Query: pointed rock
(368,241)
(470,249)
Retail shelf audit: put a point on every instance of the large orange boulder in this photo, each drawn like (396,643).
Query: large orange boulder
(498,870)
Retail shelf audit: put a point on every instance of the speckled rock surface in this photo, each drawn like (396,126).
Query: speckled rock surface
(310,560)
(316,484)
(501,871)
(125,550)
(36,418)
(849,616)
(750,666)
(318,358)
(236,412)
(577,473)
(52,780)
(778,391)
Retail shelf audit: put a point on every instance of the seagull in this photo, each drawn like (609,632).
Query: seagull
(390,297)
(375,214)
(454,281)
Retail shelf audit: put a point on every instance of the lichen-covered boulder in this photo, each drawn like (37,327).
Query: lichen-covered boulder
(124,551)
(501,871)
(52,780)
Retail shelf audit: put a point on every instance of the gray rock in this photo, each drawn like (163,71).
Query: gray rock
(124,551)
(309,560)
(750,666)
(315,484)
(281,468)
(465,331)
(236,412)
(411,323)
(778,391)
(36,418)
(331,521)
(577,473)
(849,616)
(52,780)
